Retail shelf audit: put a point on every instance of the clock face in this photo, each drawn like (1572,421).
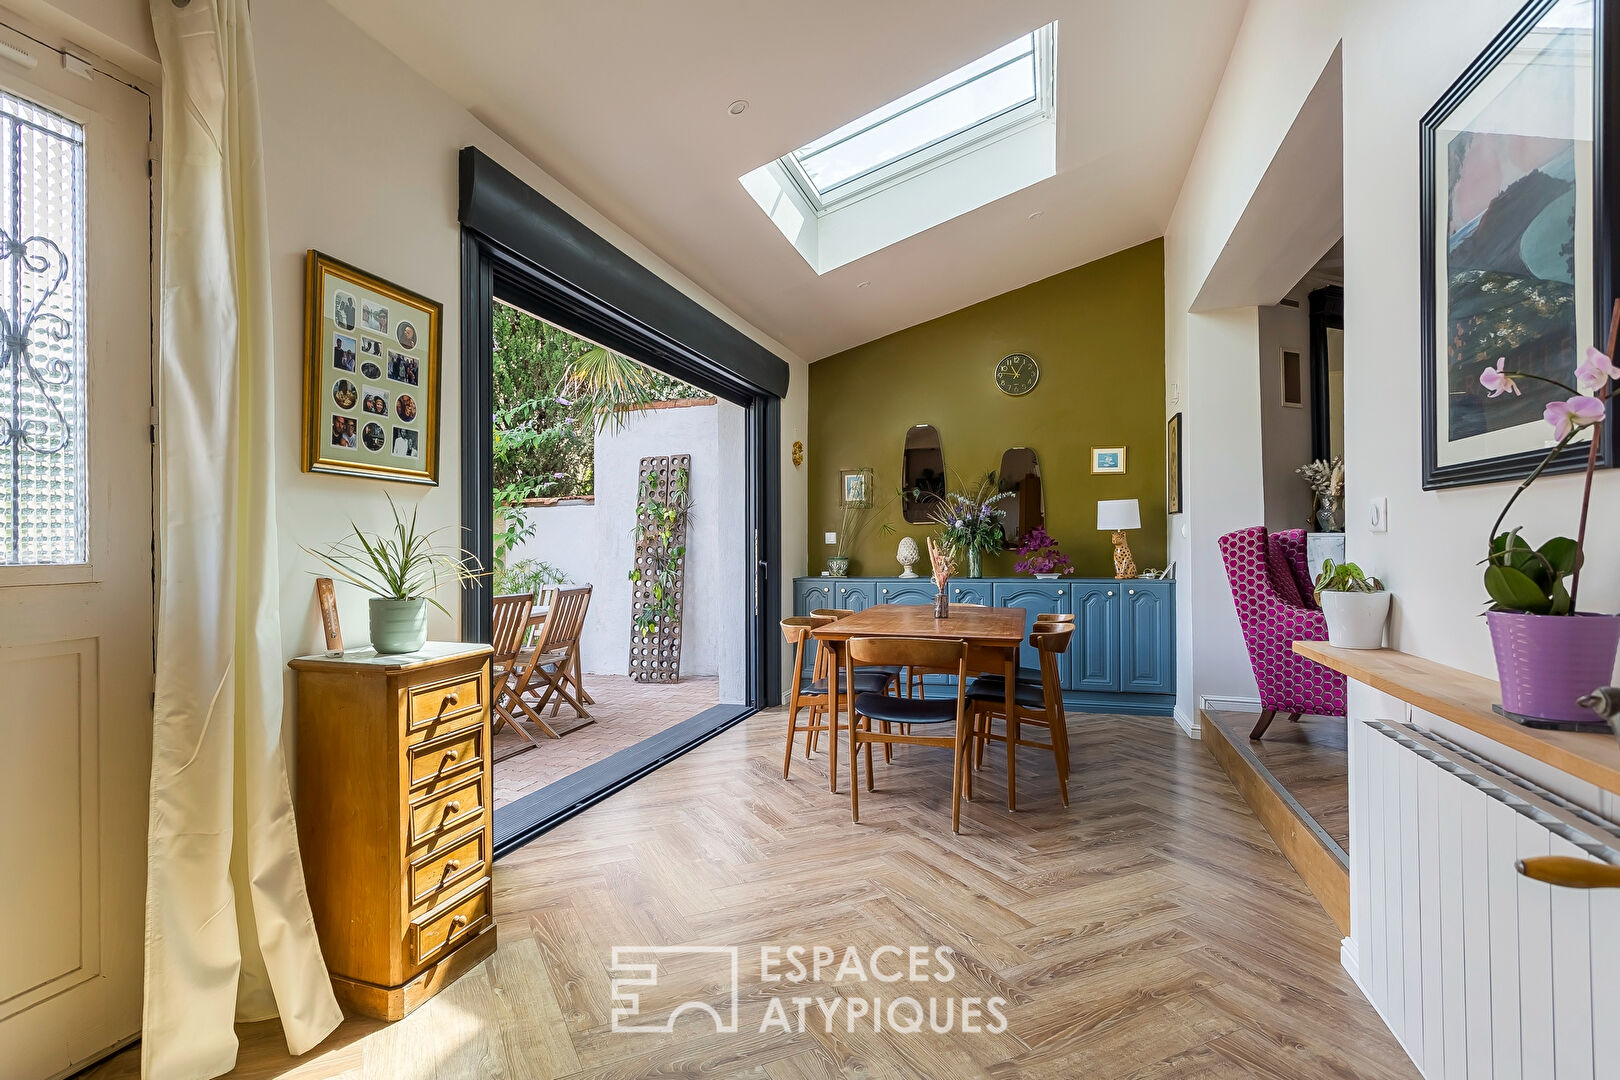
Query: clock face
(1017,374)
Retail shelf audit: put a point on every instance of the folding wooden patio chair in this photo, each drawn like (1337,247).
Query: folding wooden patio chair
(552,670)
(509,619)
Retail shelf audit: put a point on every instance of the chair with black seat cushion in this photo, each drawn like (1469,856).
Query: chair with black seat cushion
(1033,703)
(1032,675)
(812,694)
(943,715)
(891,670)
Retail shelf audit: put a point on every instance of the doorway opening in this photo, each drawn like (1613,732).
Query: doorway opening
(573,428)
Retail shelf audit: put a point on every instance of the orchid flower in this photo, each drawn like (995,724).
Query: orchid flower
(1595,371)
(1498,381)
(1568,416)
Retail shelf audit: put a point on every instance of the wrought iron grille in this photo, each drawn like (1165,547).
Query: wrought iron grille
(43,441)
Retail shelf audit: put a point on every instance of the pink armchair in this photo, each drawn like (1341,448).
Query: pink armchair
(1271,588)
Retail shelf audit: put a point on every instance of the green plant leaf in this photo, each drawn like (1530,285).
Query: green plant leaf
(1561,602)
(1562,554)
(1515,591)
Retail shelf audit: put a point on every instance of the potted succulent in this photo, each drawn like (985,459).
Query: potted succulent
(399,570)
(1354,604)
(1550,653)
(1041,556)
(972,523)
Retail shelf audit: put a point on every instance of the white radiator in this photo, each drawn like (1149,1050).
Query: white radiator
(1479,972)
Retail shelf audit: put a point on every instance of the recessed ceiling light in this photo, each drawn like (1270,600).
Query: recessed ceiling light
(862,284)
(738,107)
(1036,214)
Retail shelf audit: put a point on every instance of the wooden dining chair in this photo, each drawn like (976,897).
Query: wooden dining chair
(509,619)
(551,669)
(1040,704)
(811,694)
(944,715)
(891,672)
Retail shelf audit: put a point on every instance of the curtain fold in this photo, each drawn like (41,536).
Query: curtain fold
(229,933)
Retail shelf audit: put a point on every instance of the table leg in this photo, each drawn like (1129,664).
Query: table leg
(834,681)
(1010,703)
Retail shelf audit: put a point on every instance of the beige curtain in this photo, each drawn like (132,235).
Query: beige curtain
(229,934)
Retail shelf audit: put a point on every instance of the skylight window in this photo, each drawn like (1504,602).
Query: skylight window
(977,102)
(963,141)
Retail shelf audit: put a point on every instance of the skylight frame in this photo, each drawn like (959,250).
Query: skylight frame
(981,133)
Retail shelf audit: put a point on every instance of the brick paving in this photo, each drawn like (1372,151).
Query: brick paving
(625,712)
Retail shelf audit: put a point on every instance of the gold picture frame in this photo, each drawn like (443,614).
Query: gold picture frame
(855,488)
(1108,460)
(371,375)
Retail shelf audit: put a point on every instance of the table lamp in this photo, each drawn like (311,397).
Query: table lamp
(1119,515)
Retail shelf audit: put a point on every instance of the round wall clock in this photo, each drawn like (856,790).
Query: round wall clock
(1017,374)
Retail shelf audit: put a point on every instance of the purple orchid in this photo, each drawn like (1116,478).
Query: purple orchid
(1577,412)
(1595,371)
(1497,380)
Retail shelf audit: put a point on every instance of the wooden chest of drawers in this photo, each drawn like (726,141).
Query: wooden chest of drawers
(394,819)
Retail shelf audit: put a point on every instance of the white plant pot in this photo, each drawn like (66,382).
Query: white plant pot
(1356,620)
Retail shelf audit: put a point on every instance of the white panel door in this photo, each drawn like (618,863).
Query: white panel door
(76,622)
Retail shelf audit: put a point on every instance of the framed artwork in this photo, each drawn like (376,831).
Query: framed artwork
(1517,248)
(1293,379)
(371,375)
(1173,463)
(1107,459)
(855,487)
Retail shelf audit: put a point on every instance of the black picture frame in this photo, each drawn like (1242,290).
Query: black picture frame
(1173,462)
(1605,189)
(1327,313)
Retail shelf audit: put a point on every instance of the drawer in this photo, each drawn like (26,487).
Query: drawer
(440,871)
(443,812)
(437,702)
(444,757)
(438,931)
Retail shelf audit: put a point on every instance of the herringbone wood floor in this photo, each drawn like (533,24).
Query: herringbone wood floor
(1152,930)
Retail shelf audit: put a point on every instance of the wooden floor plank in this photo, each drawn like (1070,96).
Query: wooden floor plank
(1151,930)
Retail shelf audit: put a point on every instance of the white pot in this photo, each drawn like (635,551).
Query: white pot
(1356,620)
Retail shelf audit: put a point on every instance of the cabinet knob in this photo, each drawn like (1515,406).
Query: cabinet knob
(451,866)
(1060,592)
(451,755)
(459,921)
(452,807)
(1110,592)
(1130,592)
(885,592)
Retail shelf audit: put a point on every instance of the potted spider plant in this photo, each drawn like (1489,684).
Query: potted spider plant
(399,569)
(1550,653)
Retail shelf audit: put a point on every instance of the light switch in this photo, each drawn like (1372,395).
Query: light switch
(832,538)
(1378,517)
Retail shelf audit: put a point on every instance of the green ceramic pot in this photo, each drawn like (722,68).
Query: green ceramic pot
(398,626)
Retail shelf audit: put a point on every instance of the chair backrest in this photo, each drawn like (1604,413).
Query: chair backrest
(1055,617)
(566,619)
(834,612)
(796,629)
(509,618)
(1051,642)
(910,652)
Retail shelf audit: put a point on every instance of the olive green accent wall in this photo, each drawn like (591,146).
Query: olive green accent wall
(1097,332)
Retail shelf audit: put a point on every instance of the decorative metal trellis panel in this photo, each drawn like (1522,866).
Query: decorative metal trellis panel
(656,657)
(43,367)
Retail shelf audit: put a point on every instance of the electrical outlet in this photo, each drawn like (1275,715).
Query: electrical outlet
(1378,518)
(832,538)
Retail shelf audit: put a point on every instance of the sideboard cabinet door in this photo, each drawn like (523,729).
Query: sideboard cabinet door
(1038,598)
(854,595)
(906,592)
(1147,639)
(1094,649)
(970,591)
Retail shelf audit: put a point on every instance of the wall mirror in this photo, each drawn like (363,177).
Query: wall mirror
(1020,473)
(922,474)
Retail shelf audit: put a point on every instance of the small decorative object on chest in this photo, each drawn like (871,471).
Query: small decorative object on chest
(940,558)
(1119,515)
(907,556)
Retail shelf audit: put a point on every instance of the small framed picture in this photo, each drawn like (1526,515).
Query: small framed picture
(1293,379)
(1107,459)
(855,487)
(371,403)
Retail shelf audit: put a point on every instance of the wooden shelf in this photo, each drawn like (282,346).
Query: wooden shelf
(1467,699)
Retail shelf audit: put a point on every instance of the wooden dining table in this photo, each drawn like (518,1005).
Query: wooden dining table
(992,635)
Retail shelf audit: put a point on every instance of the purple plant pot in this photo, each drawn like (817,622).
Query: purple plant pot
(1546,662)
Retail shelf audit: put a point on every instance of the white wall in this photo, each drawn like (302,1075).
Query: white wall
(360,161)
(1282,53)
(594,544)
(1285,433)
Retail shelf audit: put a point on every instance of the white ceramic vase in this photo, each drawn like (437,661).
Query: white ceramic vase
(1356,620)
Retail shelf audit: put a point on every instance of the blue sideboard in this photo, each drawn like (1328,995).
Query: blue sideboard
(1122,657)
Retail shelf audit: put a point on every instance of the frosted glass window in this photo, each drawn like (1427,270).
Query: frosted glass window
(43,504)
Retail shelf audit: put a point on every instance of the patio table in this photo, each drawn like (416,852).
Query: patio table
(992,636)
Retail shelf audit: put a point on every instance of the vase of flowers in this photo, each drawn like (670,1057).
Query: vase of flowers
(1326,480)
(1549,653)
(970,522)
(941,568)
(1041,557)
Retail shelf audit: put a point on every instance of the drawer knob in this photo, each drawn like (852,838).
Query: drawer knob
(451,866)
(452,699)
(885,592)
(1060,592)
(1130,592)
(459,921)
(453,806)
(451,755)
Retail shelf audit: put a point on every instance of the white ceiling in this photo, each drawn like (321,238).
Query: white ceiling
(625,102)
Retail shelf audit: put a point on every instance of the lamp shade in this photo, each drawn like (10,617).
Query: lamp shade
(1118,514)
